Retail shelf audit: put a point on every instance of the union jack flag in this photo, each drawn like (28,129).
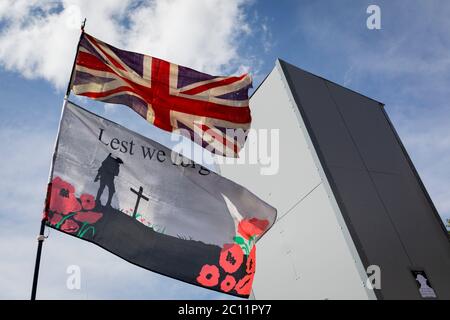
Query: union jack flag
(213,110)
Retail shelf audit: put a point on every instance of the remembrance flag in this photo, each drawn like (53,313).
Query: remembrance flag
(213,111)
(136,199)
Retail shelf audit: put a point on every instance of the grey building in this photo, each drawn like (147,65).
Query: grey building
(348,198)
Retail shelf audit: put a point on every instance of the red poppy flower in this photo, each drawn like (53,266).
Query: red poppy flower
(70,226)
(227,283)
(231,257)
(251,261)
(87,201)
(252,227)
(62,198)
(88,216)
(244,286)
(59,183)
(55,219)
(209,276)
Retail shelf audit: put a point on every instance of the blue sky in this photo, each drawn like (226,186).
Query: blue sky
(406,65)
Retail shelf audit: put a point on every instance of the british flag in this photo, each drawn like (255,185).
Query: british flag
(212,110)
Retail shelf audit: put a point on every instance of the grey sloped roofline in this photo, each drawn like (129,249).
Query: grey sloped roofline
(281,62)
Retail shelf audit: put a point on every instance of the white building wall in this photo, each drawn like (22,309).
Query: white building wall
(308,254)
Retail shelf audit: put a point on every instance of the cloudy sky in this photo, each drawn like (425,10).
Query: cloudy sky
(406,65)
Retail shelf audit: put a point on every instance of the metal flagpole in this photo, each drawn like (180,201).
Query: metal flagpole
(41,236)
(40,239)
(72,74)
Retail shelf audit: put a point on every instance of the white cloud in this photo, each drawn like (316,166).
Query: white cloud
(39,37)
(201,34)
(23,175)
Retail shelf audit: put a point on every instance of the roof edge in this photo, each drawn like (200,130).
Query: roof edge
(283,62)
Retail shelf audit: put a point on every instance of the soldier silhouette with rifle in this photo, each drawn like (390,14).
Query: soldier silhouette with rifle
(106,174)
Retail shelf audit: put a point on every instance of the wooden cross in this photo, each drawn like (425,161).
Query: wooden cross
(139,196)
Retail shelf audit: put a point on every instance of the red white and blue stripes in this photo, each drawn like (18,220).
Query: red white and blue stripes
(213,110)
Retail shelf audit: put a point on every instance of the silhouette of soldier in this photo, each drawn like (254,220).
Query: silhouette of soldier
(106,173)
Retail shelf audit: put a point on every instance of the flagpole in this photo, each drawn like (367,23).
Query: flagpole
(40,239)
(72,73)
(41,236)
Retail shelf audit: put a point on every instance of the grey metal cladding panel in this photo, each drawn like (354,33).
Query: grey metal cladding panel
(376,233)
(412,215)
(369,129)
(425,243)
(355,143)
(320,110)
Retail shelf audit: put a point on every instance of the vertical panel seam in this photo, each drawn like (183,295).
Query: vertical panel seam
(368,172)
(356,242)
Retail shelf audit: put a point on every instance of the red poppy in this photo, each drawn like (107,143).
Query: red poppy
(87,201)
(55,219)
(227,283)
(70,226)
(209,276)
(251,261)
(252,227)
(244,286)
(62,198)
(59,183)
(88,216)
(231,257)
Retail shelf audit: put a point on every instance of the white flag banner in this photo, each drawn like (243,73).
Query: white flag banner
(154,208)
